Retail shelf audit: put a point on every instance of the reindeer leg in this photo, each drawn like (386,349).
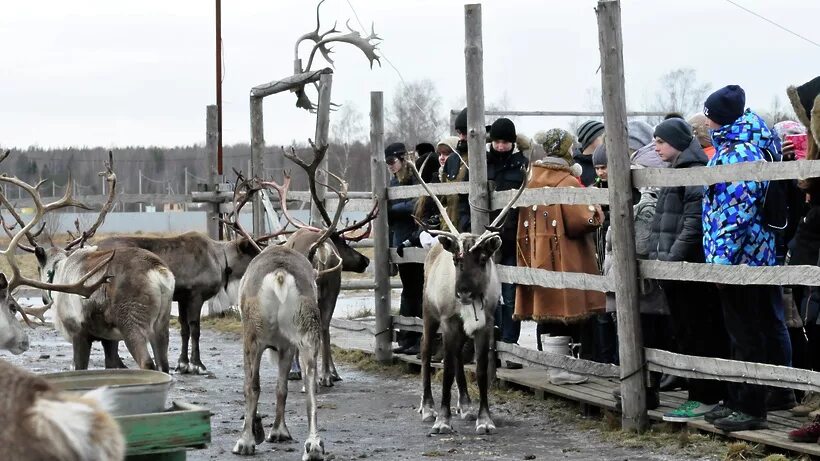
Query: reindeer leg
(314,446)
(295,373)
(464,405)
(484,424)
(279,432)
(252,427)
(326,376)
(159,344)
(183,366)
(196,311)
(451,349)
(112,355)
(137,345)
(82,351)
(427,402)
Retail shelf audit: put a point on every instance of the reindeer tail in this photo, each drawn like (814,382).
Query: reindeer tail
(281,282)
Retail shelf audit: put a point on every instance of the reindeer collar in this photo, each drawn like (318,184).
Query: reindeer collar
(228,270)
(50,276)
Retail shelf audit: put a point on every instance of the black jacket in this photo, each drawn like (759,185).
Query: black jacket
(677,230)
(587,168)
(400,214)
(506,171)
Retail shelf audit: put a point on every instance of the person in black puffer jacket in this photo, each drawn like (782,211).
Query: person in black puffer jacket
(506,169)
(677,235)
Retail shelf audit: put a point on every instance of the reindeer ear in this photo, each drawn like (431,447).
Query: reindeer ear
(40,253)
(490,245)
(449,243)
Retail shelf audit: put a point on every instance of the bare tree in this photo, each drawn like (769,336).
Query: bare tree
(414,114)
(679,91)
(777,112)
(346,130)
(593,102)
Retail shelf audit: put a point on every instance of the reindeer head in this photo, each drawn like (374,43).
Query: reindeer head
(13,336)
(472,259)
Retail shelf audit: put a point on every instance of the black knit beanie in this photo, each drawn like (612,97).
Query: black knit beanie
(424,148)
(502,129)
(461,121)
(675,132)
(588,131)
(599,155)
(725,105)
(396,149)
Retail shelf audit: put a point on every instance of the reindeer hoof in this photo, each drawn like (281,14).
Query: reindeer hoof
(258,430)
(442,426)
(335,376)
(280,434)
(294,375)
(243,447)
(428,414)
(326,381)
(197,369)
(183,368)
(484,426)
(314,449)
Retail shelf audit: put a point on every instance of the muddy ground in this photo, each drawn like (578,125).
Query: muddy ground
(371,414)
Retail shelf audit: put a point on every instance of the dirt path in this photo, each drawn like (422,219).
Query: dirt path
(368,415)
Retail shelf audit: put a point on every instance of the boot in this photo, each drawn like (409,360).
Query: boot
(780,399)
(558,376)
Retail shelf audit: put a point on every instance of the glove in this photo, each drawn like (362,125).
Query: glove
(400,248)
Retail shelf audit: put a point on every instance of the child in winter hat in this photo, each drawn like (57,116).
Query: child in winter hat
(725,105)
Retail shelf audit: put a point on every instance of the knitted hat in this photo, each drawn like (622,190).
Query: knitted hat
(803,98)
(461,121)
(639,134)
(675,132)
(396,149)
(502,129)
(599,156)
(725,105)
(588,131)
(556,143)
(424,148)
(700,129)
(450,141)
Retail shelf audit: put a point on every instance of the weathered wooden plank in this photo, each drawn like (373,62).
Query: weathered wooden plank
(353,325)
(552,279)
(411,255)
(561,113)
(732,370)
(408,323)
(735,275)
(289,83)
(449,188)
(550,195)
(548,359)
(184,426)
(747,171)
(381,243)
(366,284)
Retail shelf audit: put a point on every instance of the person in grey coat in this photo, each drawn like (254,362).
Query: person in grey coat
(677,235)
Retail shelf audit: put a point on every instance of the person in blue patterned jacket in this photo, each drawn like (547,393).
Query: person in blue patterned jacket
(734,233)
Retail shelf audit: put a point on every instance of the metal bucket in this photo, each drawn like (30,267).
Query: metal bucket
(134,391)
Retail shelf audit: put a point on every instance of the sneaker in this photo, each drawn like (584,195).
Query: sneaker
(809,433)
(687,411)
(412,350)
(810,402)
(558,376)
(719,411)
(739,421)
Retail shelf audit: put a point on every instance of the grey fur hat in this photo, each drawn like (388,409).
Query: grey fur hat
(639,134)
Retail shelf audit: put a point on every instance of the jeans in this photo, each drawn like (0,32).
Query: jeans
(510,329)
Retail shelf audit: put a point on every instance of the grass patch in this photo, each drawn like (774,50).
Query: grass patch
(360,312)
(228,321)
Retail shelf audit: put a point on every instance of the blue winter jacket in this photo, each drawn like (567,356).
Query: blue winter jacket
(733,228)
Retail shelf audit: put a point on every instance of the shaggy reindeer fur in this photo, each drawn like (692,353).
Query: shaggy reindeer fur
(279,309)
(38,423)
(202,267)
(134,307)
(328,285)
(13,336)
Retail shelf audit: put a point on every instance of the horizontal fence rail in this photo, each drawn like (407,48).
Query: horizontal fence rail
(416,191)
(735,275)
(551,195)
(707,175)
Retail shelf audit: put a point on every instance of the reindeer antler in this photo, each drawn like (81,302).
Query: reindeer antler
(316,37)
(283,201)
(311,168)
(242,194)
(111,179)
(374,212)
(355,39)
(343,199)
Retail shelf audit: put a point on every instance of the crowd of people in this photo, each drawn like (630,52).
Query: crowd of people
(749,223)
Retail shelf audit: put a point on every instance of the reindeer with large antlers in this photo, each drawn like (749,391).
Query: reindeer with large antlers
(202,268)
(336,250)
(280,310)
(135,307)
(461,291)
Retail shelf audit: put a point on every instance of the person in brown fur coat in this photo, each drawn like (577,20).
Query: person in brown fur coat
(557,238)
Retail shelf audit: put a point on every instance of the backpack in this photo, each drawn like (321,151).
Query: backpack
(775,211)
(644,214)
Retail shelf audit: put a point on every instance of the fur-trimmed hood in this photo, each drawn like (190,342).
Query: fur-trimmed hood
(805,101)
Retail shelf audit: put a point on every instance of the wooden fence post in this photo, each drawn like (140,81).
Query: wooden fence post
(476,133)
(381,243)
(211,139)
(257,147)
(322,130)
(625,267)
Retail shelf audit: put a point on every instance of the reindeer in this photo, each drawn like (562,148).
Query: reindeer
(202,267)
(279,306)
(36,421)
(335,250)
(461,291)
(135,307)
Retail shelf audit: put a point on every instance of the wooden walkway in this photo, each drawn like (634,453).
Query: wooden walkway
(598,392)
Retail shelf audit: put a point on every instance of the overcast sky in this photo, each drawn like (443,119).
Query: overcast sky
(113,73)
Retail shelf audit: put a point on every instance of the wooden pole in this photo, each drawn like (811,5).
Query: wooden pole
(322,132)
(381,244)
(211,153)
(625,267)
(257,147)
(476,133)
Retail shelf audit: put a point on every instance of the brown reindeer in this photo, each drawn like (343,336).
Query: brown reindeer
(336,250)
(461,291)
(279,306)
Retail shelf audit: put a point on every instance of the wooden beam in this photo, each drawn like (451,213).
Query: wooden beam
(733,275)
(398,192)
(550,195)
(321,139)
(746,171)
(289,84)
(381,241)
(625,267)
(552,279)
(550,360)
(557,113)
(353,325)
(257,148)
